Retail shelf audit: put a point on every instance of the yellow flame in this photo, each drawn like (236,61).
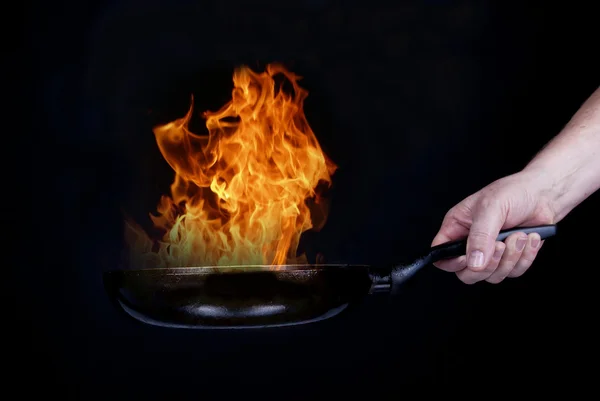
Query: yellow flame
(240,193)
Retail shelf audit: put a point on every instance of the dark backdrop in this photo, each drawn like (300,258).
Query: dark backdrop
(420,103)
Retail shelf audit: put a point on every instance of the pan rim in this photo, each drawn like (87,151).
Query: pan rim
(239,269)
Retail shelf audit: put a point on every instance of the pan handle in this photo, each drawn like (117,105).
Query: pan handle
(458,248)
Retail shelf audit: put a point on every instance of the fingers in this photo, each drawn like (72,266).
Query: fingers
(452,265)
(515,245)
(510,259)
(485,258)
(529,254)
(451,230)
(520,253)
(469,276)
(488,219)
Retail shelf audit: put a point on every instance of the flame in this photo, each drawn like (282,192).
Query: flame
(240,194)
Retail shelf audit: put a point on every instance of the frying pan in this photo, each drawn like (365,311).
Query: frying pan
(259,296)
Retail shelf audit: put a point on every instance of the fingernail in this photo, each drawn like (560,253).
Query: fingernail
(535,242)
(498,254)
(520,244)
(475,259)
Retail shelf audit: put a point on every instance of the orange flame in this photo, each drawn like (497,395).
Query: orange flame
(240,193)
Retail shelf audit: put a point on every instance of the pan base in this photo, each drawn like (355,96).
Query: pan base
(254,298)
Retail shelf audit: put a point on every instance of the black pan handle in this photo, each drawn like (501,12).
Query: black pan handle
(458,248)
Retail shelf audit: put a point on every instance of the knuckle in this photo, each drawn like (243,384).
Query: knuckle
(519,270)
(467,278)
(516,273)
(454,212)
(478,236)
(452,265)
(497,279)
(446,266)
(491,268)
(450,213)
(511,255)
(524,262)
(488,201)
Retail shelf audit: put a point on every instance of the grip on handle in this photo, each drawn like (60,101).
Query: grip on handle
(458,248)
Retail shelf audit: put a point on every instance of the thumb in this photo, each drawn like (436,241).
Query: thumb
(487,223)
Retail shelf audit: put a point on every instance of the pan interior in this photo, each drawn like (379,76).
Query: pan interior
(237,296)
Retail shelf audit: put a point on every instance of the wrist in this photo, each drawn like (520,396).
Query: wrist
(547,186)
(563,185)
(567,169)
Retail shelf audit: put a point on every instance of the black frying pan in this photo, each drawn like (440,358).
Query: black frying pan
(258,296)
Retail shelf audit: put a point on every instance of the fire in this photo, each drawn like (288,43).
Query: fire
(241,194)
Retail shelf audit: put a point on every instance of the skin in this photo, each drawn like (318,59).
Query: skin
(561,176)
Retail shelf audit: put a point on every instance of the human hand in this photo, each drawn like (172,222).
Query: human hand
(516,200)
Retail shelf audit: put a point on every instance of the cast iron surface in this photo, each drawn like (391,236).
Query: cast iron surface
(263,296)
(250,296)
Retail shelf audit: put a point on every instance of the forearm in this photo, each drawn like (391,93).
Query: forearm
(569,165)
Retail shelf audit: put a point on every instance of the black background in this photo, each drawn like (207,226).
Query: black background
(420,103)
